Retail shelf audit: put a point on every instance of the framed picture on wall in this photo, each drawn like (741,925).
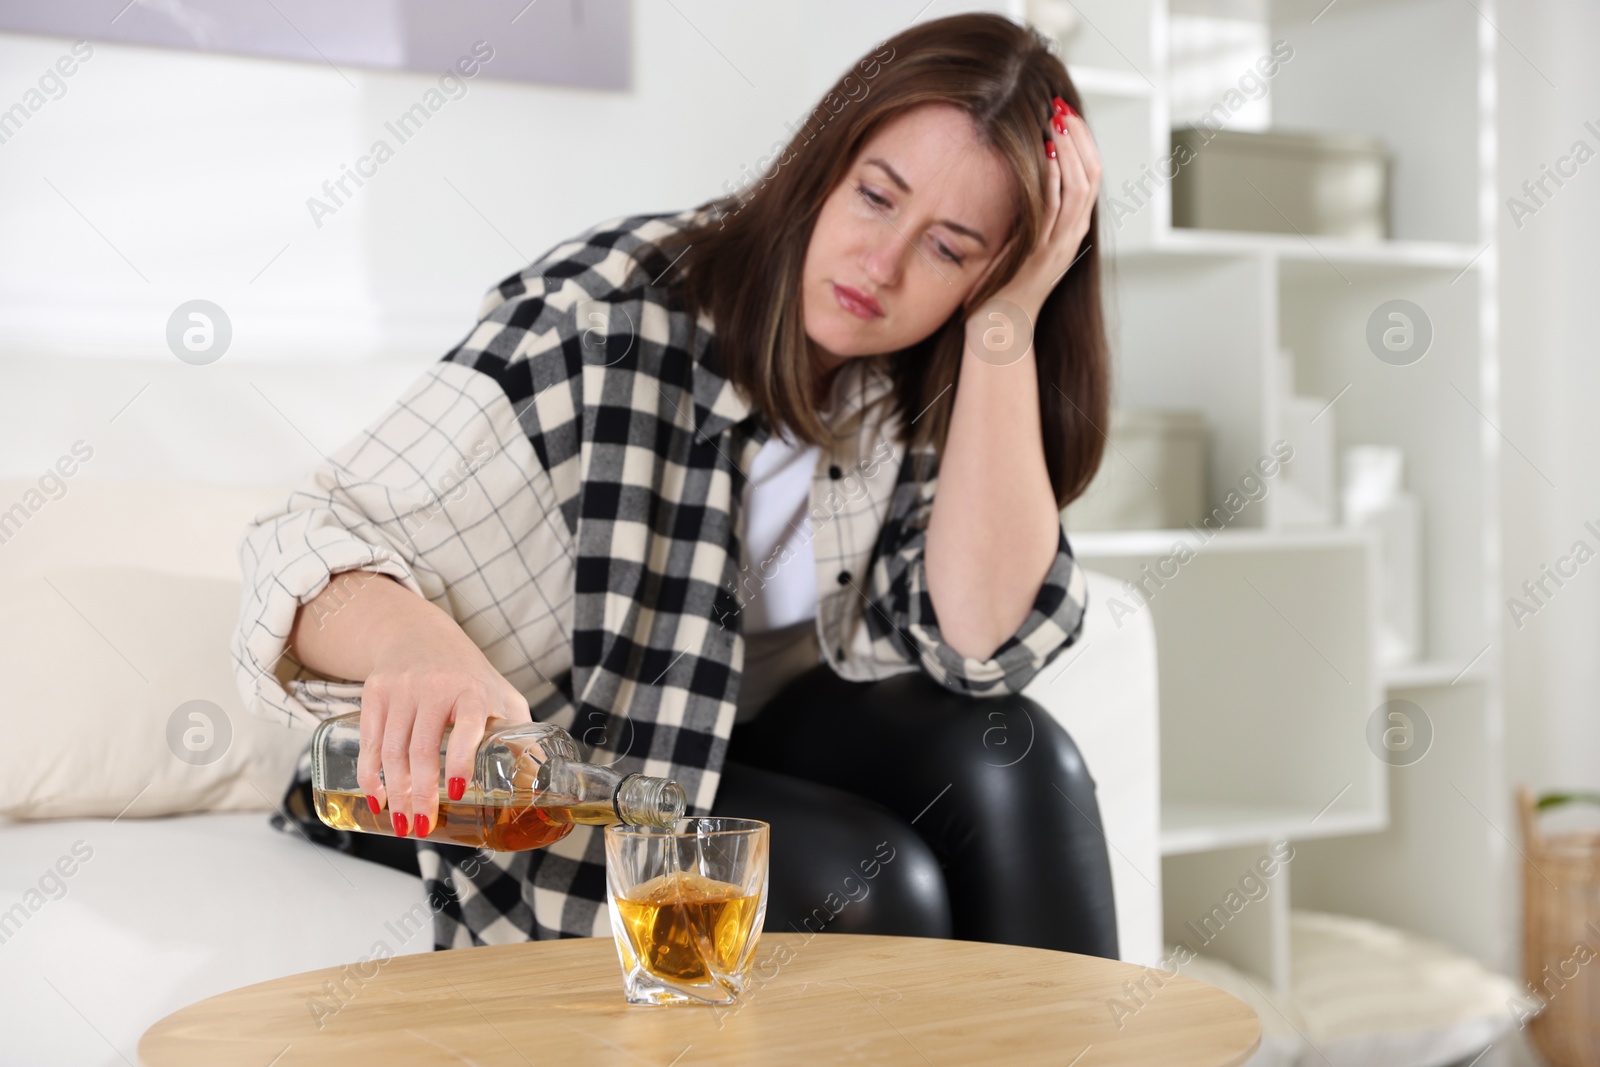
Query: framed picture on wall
(579,43)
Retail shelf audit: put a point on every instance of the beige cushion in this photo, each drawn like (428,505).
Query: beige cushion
(1365,993)
(1371,993)
(115,683)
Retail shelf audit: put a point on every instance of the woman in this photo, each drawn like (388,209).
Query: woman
(681,475)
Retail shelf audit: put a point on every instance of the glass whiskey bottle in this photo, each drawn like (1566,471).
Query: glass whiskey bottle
(529,788)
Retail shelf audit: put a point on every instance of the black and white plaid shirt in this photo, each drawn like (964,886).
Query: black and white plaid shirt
(564,484)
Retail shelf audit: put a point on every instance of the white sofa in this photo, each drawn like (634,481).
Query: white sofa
(122,597)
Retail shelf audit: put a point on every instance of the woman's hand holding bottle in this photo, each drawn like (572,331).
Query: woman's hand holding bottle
(421,672)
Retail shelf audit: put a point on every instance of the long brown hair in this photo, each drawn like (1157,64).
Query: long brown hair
(743,264)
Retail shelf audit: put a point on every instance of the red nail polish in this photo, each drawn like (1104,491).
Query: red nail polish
(422,826)
(1059,123)
(1068,107)
(372,802)
(1050,149)
(1058,105)
(458,788)
(399,825)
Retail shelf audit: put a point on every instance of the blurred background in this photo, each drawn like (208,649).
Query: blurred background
(1351,259)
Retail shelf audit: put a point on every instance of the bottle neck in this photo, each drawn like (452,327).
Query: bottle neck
(597,794)
(646,801)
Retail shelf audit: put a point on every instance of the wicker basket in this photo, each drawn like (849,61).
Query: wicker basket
(1561,938)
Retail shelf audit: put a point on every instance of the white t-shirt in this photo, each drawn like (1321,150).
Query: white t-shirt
(778,590)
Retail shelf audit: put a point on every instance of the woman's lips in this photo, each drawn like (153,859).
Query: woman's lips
(856,302)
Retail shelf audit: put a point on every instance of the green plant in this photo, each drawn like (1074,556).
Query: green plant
(1555,800)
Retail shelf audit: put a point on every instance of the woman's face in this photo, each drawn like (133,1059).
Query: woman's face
(920,215)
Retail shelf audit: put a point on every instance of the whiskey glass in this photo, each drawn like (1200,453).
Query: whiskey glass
(687,905)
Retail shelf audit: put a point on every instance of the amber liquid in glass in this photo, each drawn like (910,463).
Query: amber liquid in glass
(669,917)
(503,828)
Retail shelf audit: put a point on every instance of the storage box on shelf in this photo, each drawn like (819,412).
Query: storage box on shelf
(1152,475)
(1269,674)
(1334,185)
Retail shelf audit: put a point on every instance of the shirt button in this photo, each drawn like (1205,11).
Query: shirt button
(844,577)
(834,472)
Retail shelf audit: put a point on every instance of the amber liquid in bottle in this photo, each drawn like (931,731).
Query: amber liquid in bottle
(494,826)
(669,917)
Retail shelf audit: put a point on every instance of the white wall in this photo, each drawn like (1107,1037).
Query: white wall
(1550,277)
(164,176)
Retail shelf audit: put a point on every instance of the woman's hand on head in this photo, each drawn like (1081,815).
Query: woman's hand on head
(426,675)
(1071,187)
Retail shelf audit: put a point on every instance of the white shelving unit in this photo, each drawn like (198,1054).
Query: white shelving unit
(1267,635)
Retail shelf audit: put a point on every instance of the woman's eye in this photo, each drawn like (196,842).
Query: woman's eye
(871,197)
(951,256)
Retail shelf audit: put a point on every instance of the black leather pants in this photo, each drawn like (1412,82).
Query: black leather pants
(900,807)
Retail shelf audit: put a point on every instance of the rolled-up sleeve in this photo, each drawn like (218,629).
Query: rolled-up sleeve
(288,555)
(901,603)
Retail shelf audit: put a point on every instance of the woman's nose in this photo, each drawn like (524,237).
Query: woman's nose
(885,256)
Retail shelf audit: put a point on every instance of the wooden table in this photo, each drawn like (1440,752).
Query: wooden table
(814,999)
